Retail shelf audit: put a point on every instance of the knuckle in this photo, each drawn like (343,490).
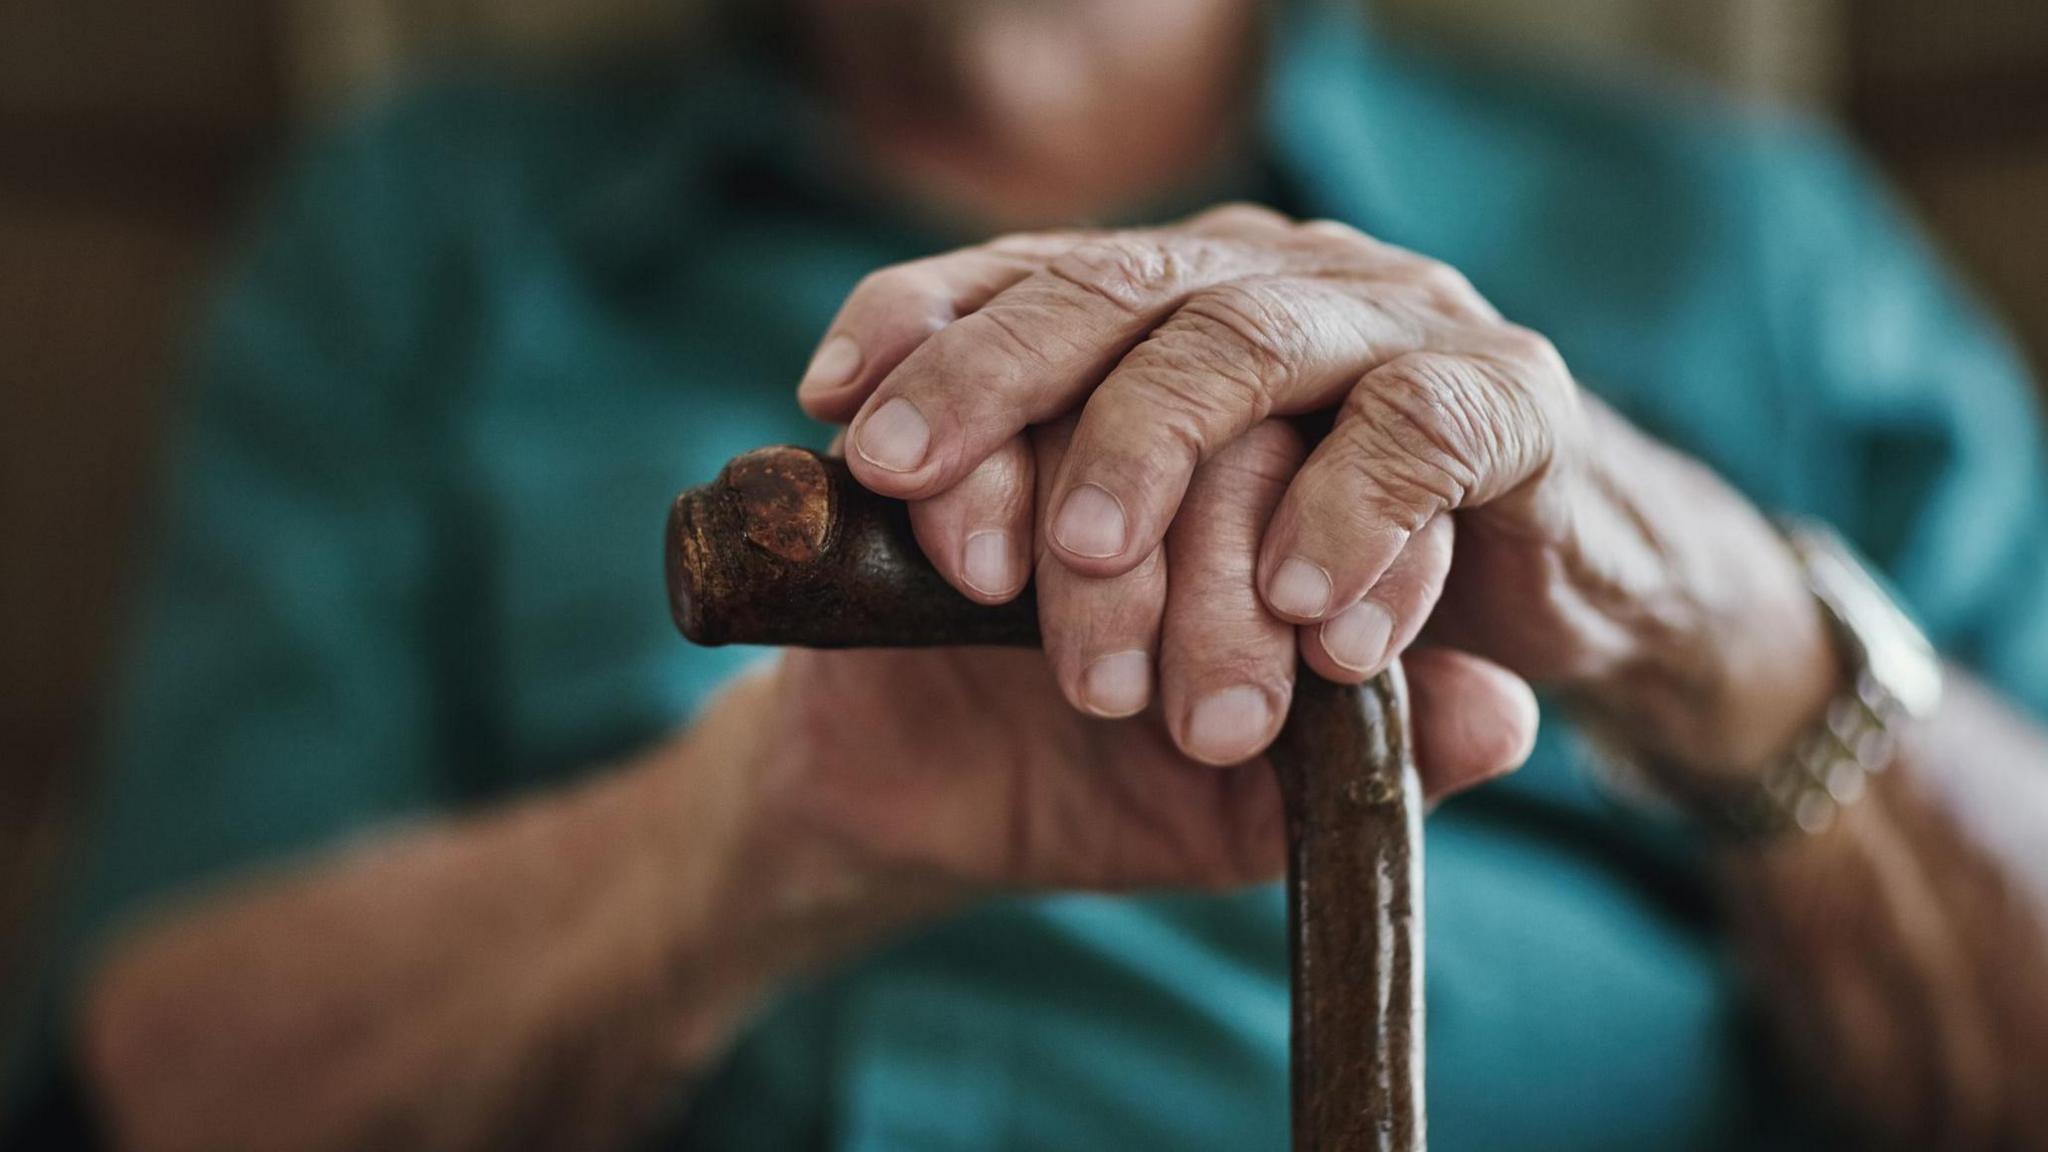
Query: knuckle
(1030,245)
(1443,281)
(1334,229)
(1126,270)
(1413,494)
(1336,233)
(1243,330)
(1419,426)
(1448,290)
(1334,248)
(1530,347)
(1186,411)
(895,281)
(1534,382)
(1212,371)
(1242,214)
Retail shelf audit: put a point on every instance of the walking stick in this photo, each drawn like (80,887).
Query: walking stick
(786,548)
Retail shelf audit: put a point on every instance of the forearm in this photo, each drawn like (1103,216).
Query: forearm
(1904,954)
(1905,950)
(542,975)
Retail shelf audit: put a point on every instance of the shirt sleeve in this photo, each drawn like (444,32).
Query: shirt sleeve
(282,684)
(1921,432)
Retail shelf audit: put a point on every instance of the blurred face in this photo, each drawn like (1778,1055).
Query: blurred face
(1036,108)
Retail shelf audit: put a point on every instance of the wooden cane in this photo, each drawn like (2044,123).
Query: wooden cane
(786,548)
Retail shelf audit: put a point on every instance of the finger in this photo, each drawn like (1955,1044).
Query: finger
(1226,664)
(1324,247)
(1474,721)
(1232,355)
(1426,434)
(1031,352)
(1359,642)
(1101,635)
(892,311)
(1240,220)
(978,533)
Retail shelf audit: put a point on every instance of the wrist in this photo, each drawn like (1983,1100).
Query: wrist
(784,896)
(1729,659)
(1719,712)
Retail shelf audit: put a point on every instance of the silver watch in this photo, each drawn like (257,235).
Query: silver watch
(1894,679)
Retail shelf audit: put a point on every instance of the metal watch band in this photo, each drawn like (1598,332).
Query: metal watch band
(1831,766)
(1826,772)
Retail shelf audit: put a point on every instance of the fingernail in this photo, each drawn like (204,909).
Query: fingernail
(1118,685)
(1224,727)
(1357,637)
(985,563)
(837,359)
(1091,523)
(1531,728)
(894,437)
(1299,588)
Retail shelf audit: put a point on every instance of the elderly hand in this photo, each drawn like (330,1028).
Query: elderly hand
(1056,396)
(966,769)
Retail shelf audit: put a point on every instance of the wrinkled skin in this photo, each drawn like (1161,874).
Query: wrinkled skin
(544,974)
(993,781)
(1048,400)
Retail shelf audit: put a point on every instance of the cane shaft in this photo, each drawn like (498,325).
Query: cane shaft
(1354,916)
(786,548)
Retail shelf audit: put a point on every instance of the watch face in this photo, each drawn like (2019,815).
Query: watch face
(1896,653)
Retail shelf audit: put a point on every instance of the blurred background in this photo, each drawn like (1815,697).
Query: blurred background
(131,130)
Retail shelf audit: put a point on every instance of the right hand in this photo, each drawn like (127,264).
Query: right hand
(972,770)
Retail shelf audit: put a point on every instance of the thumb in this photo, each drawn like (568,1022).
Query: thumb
(1474,720)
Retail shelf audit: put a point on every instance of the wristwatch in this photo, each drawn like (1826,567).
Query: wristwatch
(1894,679)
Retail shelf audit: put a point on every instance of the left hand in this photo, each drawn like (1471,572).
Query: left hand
(1586,556)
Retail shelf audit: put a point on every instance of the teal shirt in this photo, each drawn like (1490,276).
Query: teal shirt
(409,563)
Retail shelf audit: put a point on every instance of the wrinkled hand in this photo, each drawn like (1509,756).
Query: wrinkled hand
(1105,406)
(951,771)
(1120,388)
